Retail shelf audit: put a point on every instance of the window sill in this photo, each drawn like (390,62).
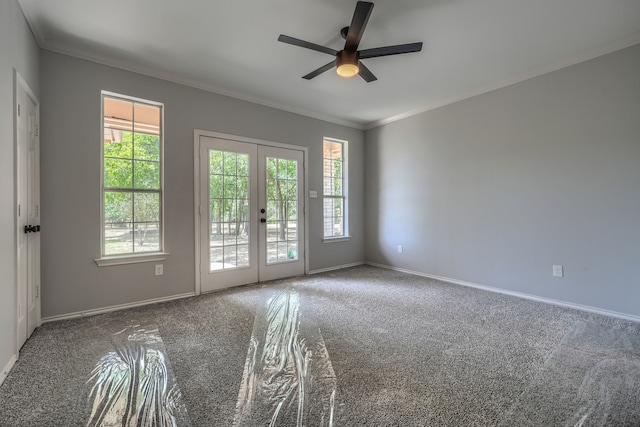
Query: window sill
(336,239)
(130,259)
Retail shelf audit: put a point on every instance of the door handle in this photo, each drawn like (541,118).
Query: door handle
(31,228)
(263,219)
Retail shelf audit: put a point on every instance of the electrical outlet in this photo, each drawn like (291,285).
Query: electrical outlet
(399,249)
(558,271)
(159,269)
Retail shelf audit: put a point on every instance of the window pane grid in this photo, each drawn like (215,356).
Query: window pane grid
(334,200)
(282,210)
(333,214)
(132,194)
(228,210)
(139,214)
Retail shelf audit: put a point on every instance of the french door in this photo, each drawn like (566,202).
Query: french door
(251,222)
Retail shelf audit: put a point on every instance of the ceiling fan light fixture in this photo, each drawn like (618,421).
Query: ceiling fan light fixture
(347,70)
(347,64)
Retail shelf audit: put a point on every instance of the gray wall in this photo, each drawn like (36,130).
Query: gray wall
(70,134)
(495,189)
(491,190)
(19,51)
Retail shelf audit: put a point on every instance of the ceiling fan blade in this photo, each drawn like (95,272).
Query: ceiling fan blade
(320,70)
(365,73)
(390,50)
(308,45)
(358,23)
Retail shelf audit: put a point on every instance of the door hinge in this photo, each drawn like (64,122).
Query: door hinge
(18,110)
(36,129)
(37,291)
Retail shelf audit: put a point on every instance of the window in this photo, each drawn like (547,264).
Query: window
(132,176)
(335,188)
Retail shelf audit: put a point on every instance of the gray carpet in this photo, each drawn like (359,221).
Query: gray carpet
(360,346)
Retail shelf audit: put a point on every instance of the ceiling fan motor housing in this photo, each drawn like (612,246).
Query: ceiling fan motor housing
(345,57)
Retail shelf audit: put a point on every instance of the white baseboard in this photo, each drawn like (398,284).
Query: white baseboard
(514,293)
(7,368)
(159,300)
(115,308)
(337,267)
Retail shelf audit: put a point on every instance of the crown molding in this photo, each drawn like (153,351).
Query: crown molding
(149,72)
(359,125)
(34,23)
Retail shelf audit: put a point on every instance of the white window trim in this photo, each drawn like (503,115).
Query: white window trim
(336,239)
(121,259)
(345,192)
(130,259)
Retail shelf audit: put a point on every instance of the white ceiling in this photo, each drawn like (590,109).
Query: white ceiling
(231,47)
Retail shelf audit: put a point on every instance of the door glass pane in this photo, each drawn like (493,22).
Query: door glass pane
(216,258)
(282,208)
(228,210)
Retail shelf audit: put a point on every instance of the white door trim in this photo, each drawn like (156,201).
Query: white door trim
(197,209)
(20,84)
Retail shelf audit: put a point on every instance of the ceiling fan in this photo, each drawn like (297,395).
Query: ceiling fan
(348,60)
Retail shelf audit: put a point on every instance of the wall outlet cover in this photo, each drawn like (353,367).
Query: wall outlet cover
(558,271)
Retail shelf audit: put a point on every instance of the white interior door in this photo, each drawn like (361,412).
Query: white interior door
(27,212)
(251,216)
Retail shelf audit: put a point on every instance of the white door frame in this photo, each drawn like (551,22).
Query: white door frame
(200,210)
(20,84)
